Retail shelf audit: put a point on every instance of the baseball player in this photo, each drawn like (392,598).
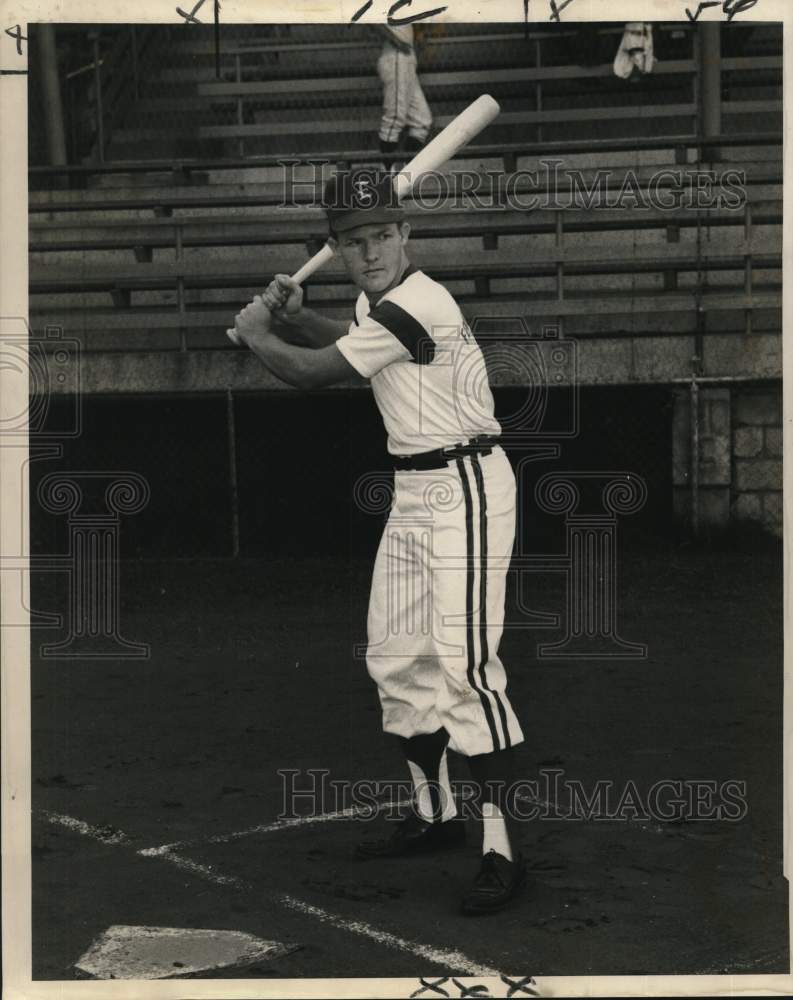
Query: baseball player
(436,607)
(404,103)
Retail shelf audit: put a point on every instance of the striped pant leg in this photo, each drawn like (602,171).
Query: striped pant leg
(470,562)
(394,72)
(419,116)
(399,654)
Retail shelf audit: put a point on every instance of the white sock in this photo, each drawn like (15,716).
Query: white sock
(421,791)
(494,831)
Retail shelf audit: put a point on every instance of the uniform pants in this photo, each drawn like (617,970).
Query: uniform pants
(404,103)
(436,610)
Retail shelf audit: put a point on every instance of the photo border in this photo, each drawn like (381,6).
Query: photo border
(15,641)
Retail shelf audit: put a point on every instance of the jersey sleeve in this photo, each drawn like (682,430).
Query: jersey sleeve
(369,347)
(388,333)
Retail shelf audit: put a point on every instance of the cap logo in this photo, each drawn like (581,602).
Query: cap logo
(365,195)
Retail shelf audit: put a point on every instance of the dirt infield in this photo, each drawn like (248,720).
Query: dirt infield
(251,671)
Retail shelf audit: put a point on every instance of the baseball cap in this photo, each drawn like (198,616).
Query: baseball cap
(360,198)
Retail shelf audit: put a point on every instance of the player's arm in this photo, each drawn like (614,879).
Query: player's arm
(302,367)
(310,328)
(284,298)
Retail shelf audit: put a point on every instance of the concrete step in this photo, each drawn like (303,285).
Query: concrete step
(261,171)
(161,144)
(189,104)
(461,255)
(365,137)
(275,254)
(335,105)
(762,121)
(129,214)
(165,144)
(265,200)
(754,92)
(156,88)
(470,41)
(238,176)
(126,327)
(514,57)
(368,104)
(641,275)
(251,194)
(636,313)
(297,226)
(198,43)
(142,181)
(331,62)
(173,193)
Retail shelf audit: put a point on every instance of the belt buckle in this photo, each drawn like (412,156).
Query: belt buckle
(474,446)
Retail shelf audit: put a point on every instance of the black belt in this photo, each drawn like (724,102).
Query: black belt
(441,457)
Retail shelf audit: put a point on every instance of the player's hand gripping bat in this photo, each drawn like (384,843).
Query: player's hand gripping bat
(443,147)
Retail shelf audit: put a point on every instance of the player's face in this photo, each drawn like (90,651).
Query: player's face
(375,255)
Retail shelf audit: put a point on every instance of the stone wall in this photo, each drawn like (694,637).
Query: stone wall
(740,456)
(714,471)
(757,456)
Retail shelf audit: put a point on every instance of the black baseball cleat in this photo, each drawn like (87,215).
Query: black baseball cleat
(495,885)
(415,835)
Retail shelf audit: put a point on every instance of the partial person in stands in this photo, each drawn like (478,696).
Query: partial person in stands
(406,113)
(635,57)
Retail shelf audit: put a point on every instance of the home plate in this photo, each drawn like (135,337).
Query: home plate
(166,952)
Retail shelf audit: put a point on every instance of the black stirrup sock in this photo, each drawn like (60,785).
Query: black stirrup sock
(426,752)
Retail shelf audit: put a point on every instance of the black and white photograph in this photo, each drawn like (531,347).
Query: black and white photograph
(393,568)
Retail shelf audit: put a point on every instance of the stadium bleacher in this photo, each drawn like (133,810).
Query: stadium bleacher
(160,242)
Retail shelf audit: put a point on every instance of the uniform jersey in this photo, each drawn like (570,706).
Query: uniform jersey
(427,372)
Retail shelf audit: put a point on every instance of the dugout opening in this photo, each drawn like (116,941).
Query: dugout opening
(300,460)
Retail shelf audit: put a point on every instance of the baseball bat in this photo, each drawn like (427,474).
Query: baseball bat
(443,147)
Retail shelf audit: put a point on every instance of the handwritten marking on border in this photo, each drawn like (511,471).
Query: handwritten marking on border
(520,986)
(191,17)
(398,5)
(16,34)
(433,986)
(729,7)
(556,9)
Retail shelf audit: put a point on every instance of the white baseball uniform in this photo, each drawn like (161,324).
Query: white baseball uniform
(436,609)
(404,103)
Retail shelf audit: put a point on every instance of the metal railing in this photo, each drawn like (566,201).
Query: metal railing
(106,88)
(507,152)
